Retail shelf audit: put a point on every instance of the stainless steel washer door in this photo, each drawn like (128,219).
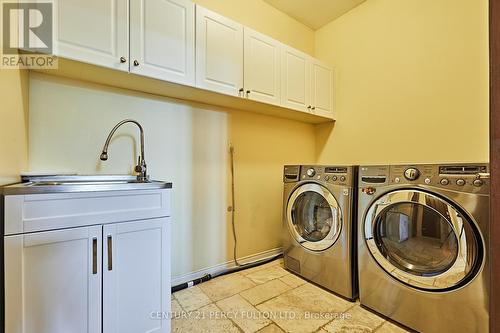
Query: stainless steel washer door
(423,241)
(314,217)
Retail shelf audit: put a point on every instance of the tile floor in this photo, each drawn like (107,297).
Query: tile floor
(269,299)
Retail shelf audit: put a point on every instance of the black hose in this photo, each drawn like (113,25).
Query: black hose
(245,266)
(223,272)
(191,283)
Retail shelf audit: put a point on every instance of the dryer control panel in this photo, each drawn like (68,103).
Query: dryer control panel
(471,178)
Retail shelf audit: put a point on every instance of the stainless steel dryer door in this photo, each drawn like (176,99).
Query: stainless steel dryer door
(423,241)
(314,217)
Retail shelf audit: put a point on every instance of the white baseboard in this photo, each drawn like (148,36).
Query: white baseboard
(229,264)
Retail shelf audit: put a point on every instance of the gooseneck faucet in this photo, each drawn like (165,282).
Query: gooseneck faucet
(141,167)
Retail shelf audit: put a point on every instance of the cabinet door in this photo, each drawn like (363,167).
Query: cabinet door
(136,279)
(219,53)
(321,89)
(262,67)
(53,281)
(92,31)
(295,80)
(162,39)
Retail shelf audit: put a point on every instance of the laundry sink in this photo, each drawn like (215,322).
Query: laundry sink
(81,183)
(97,182)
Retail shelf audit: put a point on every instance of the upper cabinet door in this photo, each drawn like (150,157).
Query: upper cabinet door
(92,31)
(162,39)
(262,67)
(219,53)
(53,281)
(321,89)
(136,278)
(295,79)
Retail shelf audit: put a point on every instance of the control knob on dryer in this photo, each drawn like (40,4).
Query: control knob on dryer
(412,173)
(477,182)
(444,181)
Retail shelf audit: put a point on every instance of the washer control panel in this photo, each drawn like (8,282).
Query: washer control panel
(335,175)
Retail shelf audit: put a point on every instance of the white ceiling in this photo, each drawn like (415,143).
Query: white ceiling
(314,13)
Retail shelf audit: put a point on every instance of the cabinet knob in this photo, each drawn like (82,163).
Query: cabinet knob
(136,63)
(123,60)
(240,91)
(248,92)
(313,108)
(309,107)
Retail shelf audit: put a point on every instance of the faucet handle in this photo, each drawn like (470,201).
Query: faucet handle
(139,166)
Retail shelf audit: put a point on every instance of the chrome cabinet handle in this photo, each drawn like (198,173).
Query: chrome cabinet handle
(94,255)
(248,92)
(240,91)
(136,63)
(123,60)
(110,253)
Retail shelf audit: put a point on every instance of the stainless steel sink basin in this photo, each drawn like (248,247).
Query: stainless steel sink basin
(46,183)
(81,183)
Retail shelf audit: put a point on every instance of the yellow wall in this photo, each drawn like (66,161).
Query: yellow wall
(411,82)
(13,124)
(266,19)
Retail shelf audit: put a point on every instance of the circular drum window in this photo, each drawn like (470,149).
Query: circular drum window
(416,239)
(314,217)
(423,240)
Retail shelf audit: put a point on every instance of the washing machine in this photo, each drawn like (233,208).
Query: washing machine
(318,215)
(423,245)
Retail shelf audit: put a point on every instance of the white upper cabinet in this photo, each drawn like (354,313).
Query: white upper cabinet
(219,53)
(92,31)
(162,39)
(136,278)
(178,41)
(321,89)
(53,281)
(295,79)
(262,67)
